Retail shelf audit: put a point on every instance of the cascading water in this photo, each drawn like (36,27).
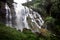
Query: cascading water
(8,16)
(24,18)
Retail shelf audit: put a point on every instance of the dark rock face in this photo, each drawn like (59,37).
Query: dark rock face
(2,12)
(3,1)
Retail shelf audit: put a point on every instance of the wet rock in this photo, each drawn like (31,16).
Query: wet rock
(2,12)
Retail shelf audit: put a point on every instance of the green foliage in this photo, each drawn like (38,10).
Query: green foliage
(50,20)
(7,33)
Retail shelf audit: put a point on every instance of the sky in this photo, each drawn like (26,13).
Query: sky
(20,1)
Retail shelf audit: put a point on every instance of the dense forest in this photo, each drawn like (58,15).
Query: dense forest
(50,13)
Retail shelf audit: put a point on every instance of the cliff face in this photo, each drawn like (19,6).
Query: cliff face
(3,9)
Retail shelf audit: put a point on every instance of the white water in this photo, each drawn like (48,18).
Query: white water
(8,16)
(21,17)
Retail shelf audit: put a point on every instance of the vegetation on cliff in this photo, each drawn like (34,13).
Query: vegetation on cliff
(7,33)
(50,11)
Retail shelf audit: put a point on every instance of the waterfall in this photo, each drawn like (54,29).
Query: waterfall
(24,18)
(8,16)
